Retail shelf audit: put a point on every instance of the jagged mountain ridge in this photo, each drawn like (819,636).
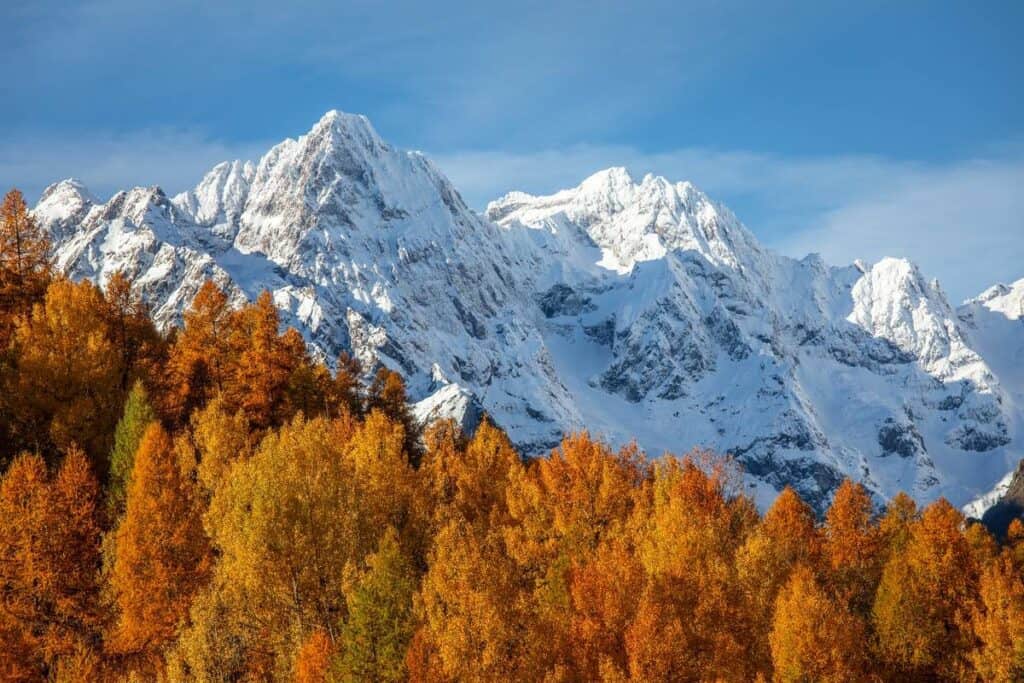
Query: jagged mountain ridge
(637,309)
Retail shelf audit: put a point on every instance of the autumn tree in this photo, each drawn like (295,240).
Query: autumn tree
(24,262)
(475,608)
(162,555)
(1015,542)
(265,364)
(786,538)
(561,508)
(387,394)
(896,524)
(689,539)
(287,521)
(998,623)
(346,390)
(131,330)
(852,546)
(221,438)
(65,387)
(813,636)
(925,596)
(605,593)
(468,477)
(49,562)
(197,363)
(313,662)
(137,416)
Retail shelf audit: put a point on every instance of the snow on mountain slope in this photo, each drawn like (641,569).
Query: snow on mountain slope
(696,334)
(994,321)
(637,309)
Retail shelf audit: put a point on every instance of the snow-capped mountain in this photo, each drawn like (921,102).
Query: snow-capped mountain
(636,309)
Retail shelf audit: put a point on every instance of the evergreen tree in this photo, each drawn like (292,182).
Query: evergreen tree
(379,626)
(137,416)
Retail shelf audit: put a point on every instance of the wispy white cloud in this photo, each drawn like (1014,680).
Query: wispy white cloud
(174,159)
(963,222)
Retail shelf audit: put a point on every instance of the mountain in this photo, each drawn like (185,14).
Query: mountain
(637,309)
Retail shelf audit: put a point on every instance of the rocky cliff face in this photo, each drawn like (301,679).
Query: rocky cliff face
(635,309)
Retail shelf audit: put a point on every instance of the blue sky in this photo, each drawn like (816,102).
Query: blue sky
(854,129)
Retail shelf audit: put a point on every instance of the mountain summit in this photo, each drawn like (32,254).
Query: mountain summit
(635,309)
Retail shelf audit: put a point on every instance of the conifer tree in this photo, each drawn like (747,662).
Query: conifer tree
(49,561)
(66,384)
(264,366)
(925,597)
(380,624)
(131,331)
(198,362)
(347,390)
(24,262)
(998,623)
(162,555)
(387,394)
(137,416)
(852,545)
(814,637)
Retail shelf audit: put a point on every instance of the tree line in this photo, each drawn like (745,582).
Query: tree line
(213,504)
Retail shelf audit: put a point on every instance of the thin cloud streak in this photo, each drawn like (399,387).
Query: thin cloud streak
(106,162)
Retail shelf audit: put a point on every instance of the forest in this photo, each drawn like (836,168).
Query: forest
(215,504)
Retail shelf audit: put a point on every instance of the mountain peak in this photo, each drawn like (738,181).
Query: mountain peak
(609,178)
(67,188)
(1003,298)
(630,221)
(335,125)
(805,373)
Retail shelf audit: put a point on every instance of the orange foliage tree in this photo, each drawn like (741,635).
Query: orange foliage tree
(49,565)
(161,553)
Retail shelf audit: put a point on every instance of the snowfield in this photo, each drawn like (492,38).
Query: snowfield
(638,309)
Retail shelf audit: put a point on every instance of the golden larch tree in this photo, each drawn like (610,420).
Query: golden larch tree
(852,545)
(815,637)
(161,553)
(925,597)
(998,623)
(67,384)
(49,565)
(24,262)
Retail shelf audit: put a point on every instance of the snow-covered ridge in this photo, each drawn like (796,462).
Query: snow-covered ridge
(634,308)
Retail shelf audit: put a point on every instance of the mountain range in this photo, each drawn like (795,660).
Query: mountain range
(636,308)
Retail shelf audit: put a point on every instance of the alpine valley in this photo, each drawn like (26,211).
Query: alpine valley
(633,308)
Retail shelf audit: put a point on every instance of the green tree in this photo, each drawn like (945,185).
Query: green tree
(380,623)
(137,416)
